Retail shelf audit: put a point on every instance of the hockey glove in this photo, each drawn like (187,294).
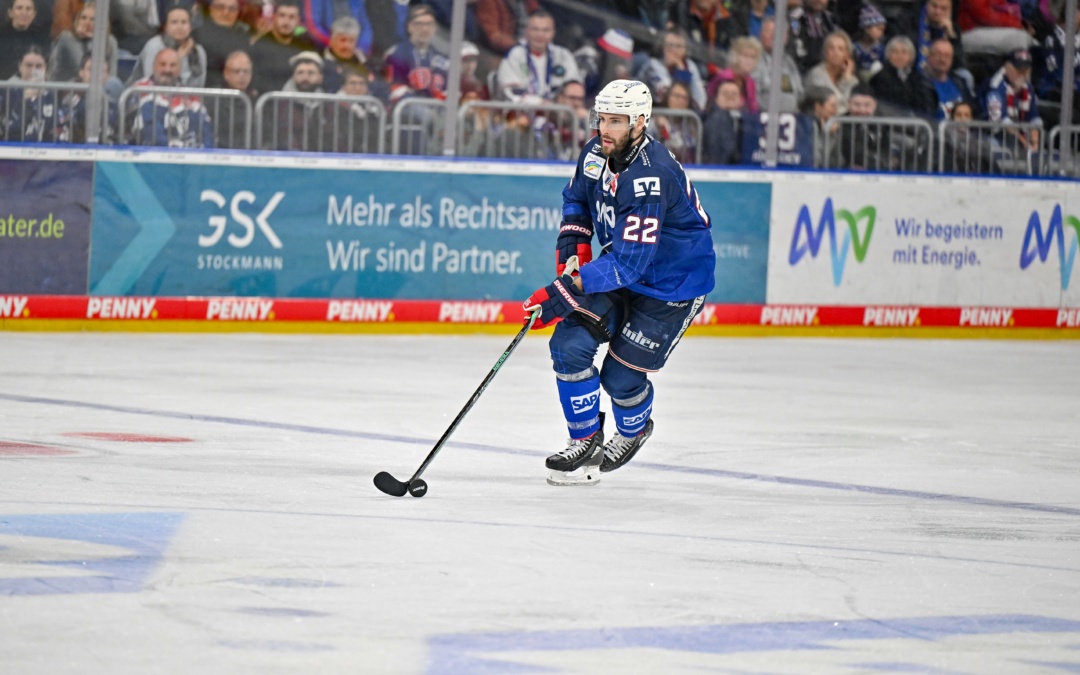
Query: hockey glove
(575,239)
(556,301)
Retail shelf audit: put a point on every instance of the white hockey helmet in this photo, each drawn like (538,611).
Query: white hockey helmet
(623,97)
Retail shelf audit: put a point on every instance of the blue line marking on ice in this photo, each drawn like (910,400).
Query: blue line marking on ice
(144,536)
(697,471)
(479,653)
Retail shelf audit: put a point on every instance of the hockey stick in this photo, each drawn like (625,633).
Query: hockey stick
(417,487)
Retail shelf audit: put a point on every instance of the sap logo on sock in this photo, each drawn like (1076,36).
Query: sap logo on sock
(810,242)
(646,187)
(638,338)
(586,401)
(1055,234)
(633,422)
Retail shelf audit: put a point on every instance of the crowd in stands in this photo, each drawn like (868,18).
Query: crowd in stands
(708,63)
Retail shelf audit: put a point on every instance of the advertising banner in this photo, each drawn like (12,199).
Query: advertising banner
(908,241)
(186,230)
(44,226)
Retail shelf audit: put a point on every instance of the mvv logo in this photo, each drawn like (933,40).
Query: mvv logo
(1055,233)
(807,239)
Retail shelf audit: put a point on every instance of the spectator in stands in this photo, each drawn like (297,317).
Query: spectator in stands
(673,65)
(18,35)
(415,69)
(357,122)
(220,34)
(343,54)
(678,133)
(951,88)
(533,71)
(608,60)
(992,27)
(74,44)
(710,27)
(72,125)
(811,24)
(870,45)
(176,35)
(936,23)
(502,22)
(273,51)
(836,70)
(720,143)
(748,16)
(470,62)
(1009,98)
(860,147)
(302,124)
(318,18)
(902,90)
(967,149)
(28,115)
(820,105)
(744,56)
(790,89)
(479,129)
(1051,69)
(166,120)
(230,119)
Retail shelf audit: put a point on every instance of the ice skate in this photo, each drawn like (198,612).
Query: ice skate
(579,463)
(621,449)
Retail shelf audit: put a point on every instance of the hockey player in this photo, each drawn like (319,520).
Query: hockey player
(640,294)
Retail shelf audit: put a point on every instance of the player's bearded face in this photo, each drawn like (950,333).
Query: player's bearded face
(614,133)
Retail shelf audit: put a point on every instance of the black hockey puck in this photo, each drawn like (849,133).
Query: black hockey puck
(418,488)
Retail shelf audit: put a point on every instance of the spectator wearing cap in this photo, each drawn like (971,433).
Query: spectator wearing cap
(533,71)
(870,45)
(169,120)
(673,65)
(414,68)
(18,34)
(1008,95)
(709,25)
(301,124)
(836,71)
(992,27)
(608,60)
(470,62)
(749,15)
(936,23)
(902,90)
(951,88)
(221,33)
(272,52)
(811,24)
(176,34)
(790,86)
(343,54)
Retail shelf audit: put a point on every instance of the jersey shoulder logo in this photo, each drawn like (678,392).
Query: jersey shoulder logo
(592,166)
(647,187)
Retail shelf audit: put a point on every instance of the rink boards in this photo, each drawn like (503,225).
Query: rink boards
(133,240)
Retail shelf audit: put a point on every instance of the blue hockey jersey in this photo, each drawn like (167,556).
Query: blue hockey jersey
(648,219)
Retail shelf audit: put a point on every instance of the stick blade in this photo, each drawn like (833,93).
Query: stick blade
(390,485)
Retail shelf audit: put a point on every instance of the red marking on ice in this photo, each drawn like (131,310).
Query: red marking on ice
(127,438)
(11,448)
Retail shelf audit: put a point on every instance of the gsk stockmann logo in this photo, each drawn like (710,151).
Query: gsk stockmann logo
(838,250)
(1055,232)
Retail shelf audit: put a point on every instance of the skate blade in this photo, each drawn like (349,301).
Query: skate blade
(586,475)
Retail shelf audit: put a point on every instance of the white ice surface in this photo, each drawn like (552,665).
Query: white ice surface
(804,506)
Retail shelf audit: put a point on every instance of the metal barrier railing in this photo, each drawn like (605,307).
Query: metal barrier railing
(320,122)
(878,144)
(416,126)
(687,133)
(176,117)
(1063,151)
(54,113)
(980,147)
(518,130)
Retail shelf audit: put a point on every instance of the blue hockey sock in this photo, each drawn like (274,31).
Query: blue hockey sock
(631,415)
(581,403)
